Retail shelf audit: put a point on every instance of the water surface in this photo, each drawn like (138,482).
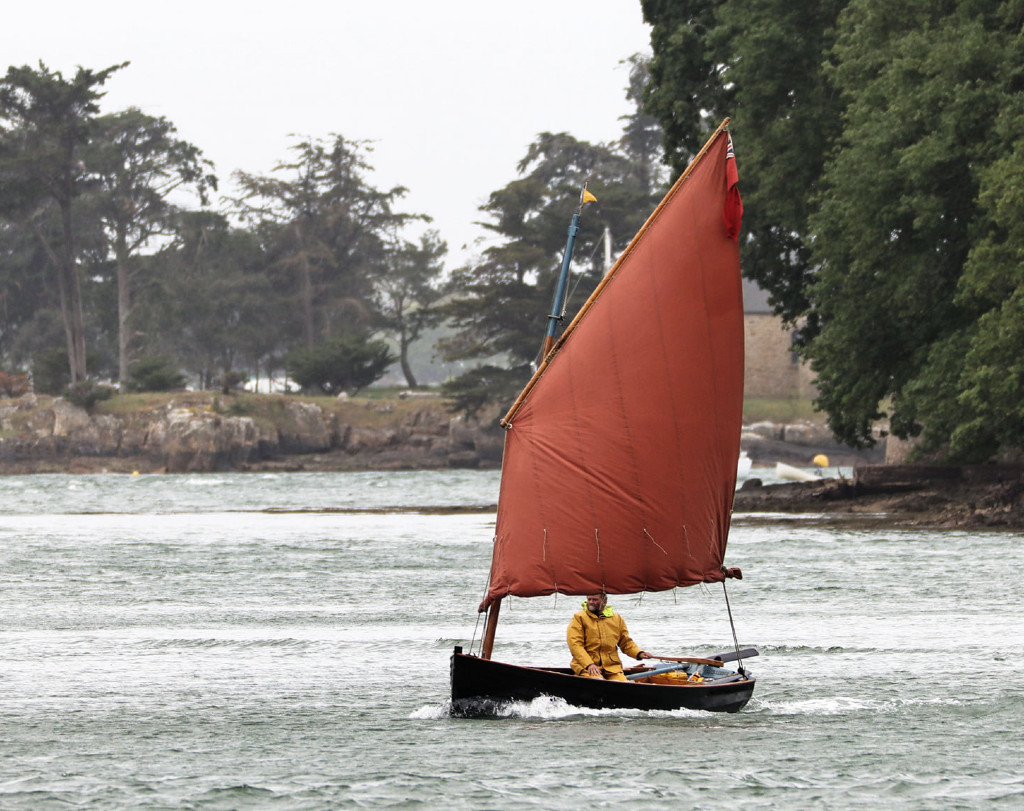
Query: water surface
(282,641)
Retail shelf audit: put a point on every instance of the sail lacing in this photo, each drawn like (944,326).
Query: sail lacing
(662,548)
(544,556)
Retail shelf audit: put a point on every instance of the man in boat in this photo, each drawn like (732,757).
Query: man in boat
(594,635)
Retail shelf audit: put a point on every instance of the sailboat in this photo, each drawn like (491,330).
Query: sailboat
(619,463)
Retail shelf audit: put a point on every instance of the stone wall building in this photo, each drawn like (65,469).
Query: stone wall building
(773,369)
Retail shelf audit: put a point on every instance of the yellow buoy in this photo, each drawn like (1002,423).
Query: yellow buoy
(821,460)
(135,473)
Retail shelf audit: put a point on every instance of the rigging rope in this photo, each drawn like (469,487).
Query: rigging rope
(487,587)
(576,283)
(475,629)
(735,641)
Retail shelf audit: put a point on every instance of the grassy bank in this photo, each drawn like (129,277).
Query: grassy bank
(372,409)
(378,409)
(763,409)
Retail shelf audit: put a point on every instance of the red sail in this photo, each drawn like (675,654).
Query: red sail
(620,457)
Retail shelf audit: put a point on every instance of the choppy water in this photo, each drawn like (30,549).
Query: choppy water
(237,642)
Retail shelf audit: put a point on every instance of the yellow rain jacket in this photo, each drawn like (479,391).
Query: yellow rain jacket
(593,640)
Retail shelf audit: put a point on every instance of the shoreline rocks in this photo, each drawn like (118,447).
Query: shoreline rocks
(197,432)
(197,435)
(972,496)
(189,438)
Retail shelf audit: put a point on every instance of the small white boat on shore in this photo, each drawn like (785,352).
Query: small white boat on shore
(794,474)
(743,465)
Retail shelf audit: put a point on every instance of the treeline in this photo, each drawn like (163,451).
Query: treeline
(114,266)
(881,155)
(881,158)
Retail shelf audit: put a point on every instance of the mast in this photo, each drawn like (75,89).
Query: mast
(492,625)
(558,304)
(556,316)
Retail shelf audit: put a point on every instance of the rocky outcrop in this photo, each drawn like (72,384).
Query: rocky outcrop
(181,438)
(173,439)
(471,445)
(913,495)
(200,442)
(306,429)
(193,433)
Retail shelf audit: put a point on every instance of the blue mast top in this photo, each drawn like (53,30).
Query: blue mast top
(558,304)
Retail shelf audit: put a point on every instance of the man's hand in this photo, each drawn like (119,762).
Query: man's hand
(593,670)
(644,655)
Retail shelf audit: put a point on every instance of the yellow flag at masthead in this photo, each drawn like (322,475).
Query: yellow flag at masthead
(587,197)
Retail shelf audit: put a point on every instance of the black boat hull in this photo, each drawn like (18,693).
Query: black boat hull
(482,686)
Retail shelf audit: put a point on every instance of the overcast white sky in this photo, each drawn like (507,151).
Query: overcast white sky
(451,91)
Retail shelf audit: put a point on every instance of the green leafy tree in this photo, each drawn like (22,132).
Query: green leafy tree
(340,365)
(900,211)
(762,63)
(45,121)
(325,229)
(207,301)
(408,293)
(24,296)
(500,303)
(151,373)
(876,147)
(686,91)
(137,163)
(971,392)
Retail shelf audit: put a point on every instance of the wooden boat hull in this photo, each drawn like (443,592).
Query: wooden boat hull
(482,686)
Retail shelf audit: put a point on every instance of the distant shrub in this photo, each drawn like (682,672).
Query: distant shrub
(13,385)
(344,364)
(152,373)
(85,394)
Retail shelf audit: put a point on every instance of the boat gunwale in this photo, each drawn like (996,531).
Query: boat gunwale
(633,671)
(566,672)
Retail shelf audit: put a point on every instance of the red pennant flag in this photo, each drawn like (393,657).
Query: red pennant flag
(732,213)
